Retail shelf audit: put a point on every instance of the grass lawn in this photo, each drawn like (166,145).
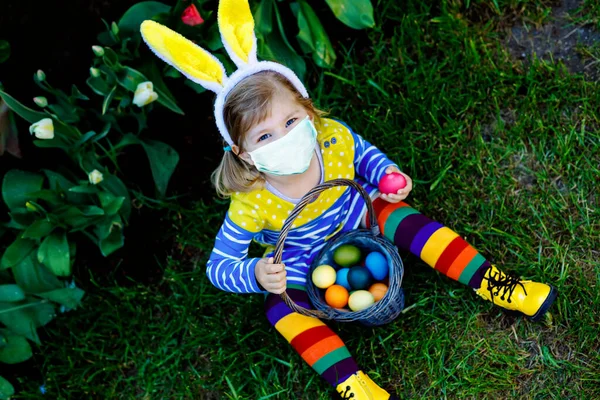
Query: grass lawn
(505,151)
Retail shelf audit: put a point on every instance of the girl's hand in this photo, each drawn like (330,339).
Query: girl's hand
(402,193)
(271,276)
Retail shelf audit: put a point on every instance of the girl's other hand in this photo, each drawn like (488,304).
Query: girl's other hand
(402,193)
(270,276)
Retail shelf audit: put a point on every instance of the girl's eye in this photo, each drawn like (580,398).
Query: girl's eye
(291,121)
(264,137)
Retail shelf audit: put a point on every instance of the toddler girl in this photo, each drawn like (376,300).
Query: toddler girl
(279,146)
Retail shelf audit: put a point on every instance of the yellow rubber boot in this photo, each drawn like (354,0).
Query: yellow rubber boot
(532,299)
(360,387)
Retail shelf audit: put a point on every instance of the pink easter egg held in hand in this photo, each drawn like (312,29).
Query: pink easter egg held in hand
(391,183)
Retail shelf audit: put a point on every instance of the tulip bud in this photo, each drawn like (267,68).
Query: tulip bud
(43,129)
(114,28)
(41,76)
(98,50)
(95,72)
(30,206)
(95,177)
(144,94)
(41,101)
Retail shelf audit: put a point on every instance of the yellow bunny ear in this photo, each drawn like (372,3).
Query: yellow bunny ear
(190,59)
(237,31)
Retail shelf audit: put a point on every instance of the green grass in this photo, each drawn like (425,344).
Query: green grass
(506,154)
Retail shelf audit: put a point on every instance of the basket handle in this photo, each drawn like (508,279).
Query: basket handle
(306,199)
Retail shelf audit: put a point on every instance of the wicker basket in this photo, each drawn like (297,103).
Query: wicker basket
(383,311)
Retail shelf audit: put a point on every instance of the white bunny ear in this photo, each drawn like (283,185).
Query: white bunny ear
(237,31)
(190,59)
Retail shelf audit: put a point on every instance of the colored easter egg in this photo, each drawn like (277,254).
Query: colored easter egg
(377,264)
(378,290)
(336,296)
(391,183)
(323,276)
(360,300)
(342,278)
(359,278)
(346,255)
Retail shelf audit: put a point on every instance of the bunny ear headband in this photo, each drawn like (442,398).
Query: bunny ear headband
(236,26)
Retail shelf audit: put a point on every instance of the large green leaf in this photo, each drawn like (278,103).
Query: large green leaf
(26,113)
(17,187)
(16,252)
(130,78)
(68,297)
(168,100)
(115,186)
(33,277)
(275,46)
(313,36)
(130,22)
(11,293)
(163,160)
(39,229)
(57,257)
(24,318)
(113,242)
(17,348)
(263,17)
(357,14)
(61,183)
(4,51)
(6,389)
(110,203)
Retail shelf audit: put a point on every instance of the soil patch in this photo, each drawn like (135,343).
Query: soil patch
(558,40)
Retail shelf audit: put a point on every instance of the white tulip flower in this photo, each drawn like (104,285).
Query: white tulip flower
(144,94)
(43,129)
(95,177)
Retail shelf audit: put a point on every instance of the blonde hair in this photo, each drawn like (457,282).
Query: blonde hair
(248,104)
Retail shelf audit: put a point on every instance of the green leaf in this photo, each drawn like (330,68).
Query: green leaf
(98,85)
(80,217)
(17,187)
(357,14)
(87,188)
(24,318)
(275,46)
(59,182)
(4,51)
(6,389)
(113,241)
(49,196)
(130,78)
(16,252)
(39,229)
(26,113)
(263,18)
(57,254)
(115,186)
(33,277)
(17,348)
(165,97)
(130,22)
(68,297)
(110,203)
(313,35)
(108,98)
(163,160)
(11,293)
(76,94)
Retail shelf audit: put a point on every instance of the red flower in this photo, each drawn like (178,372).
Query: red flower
(191,16)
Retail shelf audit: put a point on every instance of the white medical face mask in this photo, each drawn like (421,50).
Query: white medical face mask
(289,155)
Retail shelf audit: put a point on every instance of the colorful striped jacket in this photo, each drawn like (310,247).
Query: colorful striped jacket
(259,215)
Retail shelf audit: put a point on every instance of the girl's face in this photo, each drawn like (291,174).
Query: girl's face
(285,114)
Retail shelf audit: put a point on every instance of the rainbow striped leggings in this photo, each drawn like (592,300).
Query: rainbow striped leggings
(438,246)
